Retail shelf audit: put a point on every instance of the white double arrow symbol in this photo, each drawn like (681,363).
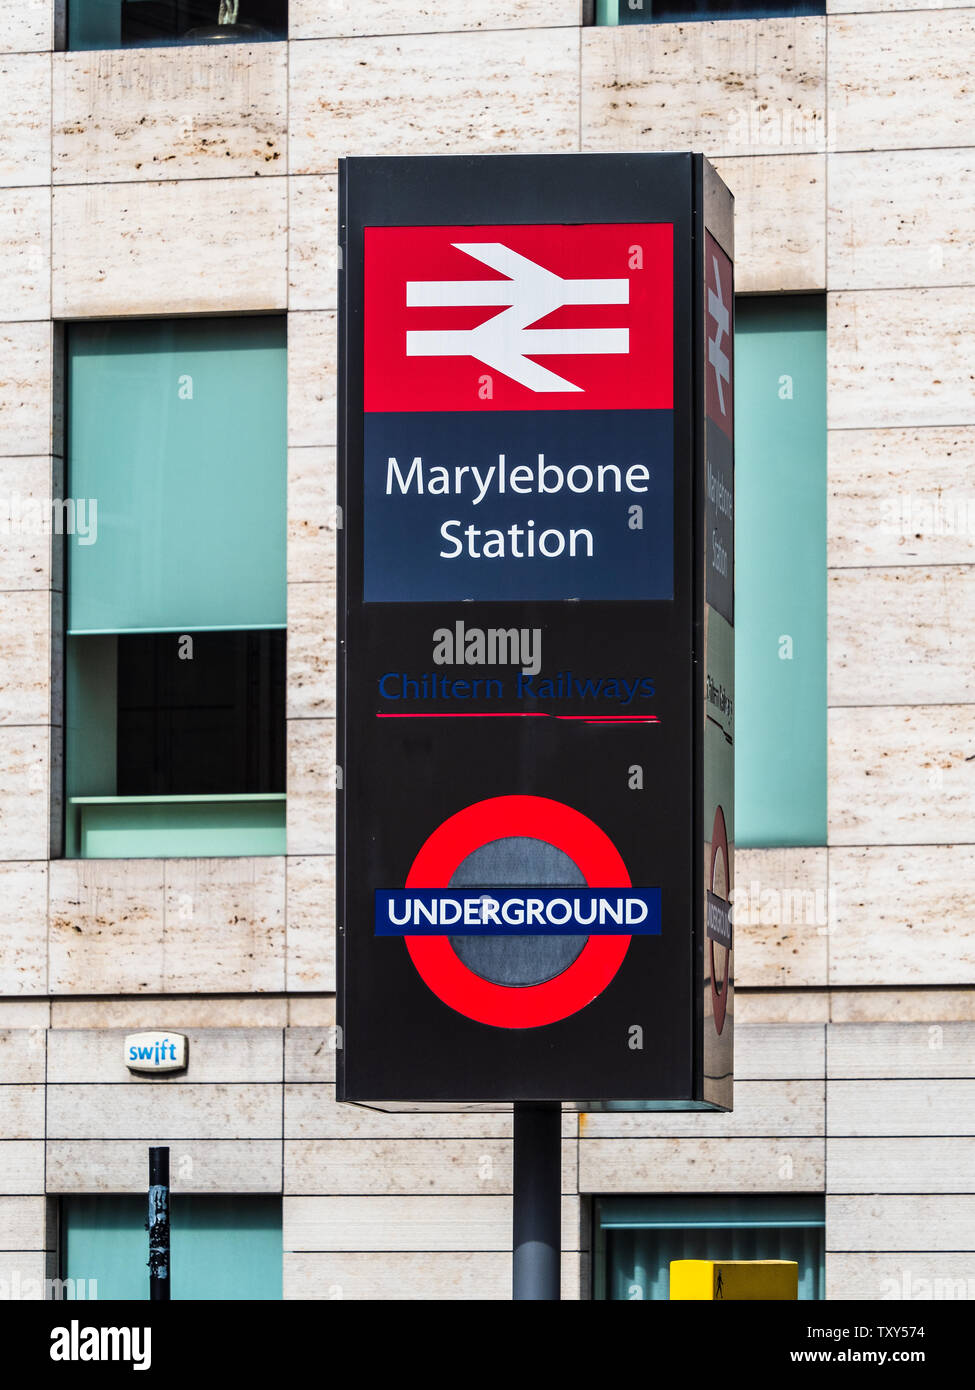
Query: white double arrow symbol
(717,356)
(505,340)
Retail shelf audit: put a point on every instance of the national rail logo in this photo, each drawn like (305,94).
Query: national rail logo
(544,317)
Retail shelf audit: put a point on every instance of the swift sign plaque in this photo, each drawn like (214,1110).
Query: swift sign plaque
(536,679)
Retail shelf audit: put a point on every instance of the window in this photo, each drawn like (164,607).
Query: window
(684,11)
(780,571)
(175,646)
(222,1247)
(204,725)
(637,1237)
(158,23)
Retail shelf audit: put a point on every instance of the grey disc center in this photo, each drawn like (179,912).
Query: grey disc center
(517,862)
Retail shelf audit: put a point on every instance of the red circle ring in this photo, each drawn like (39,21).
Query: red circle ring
(518,1006)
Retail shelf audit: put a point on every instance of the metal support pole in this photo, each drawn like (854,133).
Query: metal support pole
(158,1225)
(537,1165)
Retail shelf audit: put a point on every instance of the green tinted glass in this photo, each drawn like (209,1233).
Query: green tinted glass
(222,1247)
(177,432)
(780,571)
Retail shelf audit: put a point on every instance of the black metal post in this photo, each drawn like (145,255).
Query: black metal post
(158,1225)
(536,1242)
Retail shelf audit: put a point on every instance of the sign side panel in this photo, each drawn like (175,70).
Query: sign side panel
(718,807)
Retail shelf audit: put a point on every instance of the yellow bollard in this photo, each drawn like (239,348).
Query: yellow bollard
(734,1279)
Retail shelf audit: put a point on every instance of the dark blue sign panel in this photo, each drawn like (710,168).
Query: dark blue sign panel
(517,911)
(718,920)
(519,505)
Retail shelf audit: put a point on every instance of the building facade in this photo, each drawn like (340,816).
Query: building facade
(170,183)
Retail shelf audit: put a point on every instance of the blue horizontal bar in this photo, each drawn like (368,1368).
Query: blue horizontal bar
(518,912)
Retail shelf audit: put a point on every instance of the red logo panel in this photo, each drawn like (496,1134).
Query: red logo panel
(548,317)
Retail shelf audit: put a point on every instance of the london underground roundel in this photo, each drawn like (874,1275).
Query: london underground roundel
(518,1006)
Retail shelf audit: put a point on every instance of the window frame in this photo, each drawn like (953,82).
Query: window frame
(211,825)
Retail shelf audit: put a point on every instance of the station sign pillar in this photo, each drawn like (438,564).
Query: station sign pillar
(536,632)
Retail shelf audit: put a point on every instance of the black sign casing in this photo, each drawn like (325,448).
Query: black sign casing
(650,1037)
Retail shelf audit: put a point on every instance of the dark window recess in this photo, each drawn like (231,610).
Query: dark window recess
(638,1237)
(210,724)
(680,11)
(146,23)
